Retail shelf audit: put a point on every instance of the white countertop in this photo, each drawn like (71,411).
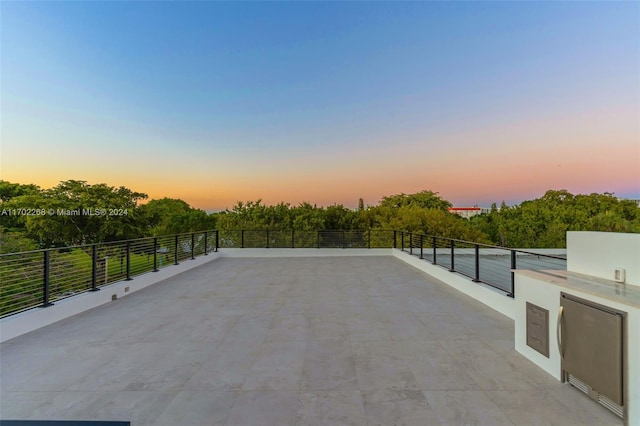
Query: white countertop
(626,294)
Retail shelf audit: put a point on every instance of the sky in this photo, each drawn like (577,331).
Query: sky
(324,102)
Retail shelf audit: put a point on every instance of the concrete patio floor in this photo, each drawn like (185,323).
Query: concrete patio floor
(287,341)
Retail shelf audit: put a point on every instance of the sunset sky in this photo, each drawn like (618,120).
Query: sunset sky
(215,102)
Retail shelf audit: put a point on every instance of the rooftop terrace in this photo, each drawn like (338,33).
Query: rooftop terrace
(287,341)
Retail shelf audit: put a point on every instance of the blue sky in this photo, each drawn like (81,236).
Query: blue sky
(323,102)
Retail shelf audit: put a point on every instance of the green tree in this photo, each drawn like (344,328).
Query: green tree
(159,214)
(338,216)
(424,199)
(114,214)
(244,215)
(544,222)
(435,222)
(10,190)
(13,242)
(173,216)
(308,218)
(191,221)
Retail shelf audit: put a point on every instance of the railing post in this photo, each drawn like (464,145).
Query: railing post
(45,281)
(421,244)
(477,252)
(410,242)
(435,244)
(128,260)
(453,245)
(513,275)
(402,240)
(193,246)
(217,235)
(155,254)
(175,252)
(206,243)
(267,238)
(395,245)
(94,268)
(242,239)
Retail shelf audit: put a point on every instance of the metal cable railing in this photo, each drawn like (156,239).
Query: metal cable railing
(39,278)
(269,238)
(491,265)
(21,281)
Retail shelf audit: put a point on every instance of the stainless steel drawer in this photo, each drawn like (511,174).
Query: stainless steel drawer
(538,329)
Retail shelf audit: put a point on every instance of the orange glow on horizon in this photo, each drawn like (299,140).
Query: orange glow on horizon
(500,162)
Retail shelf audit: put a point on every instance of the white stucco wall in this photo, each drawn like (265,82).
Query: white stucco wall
(599,253)
(546,296)
(491,297)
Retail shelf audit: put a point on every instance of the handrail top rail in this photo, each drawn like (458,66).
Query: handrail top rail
(455,240)
(79,246)
(485,245)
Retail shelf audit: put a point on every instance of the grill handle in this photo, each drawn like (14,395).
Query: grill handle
(559,332)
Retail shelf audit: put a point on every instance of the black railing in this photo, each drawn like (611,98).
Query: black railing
(39,278)
(491,265)
(269,238)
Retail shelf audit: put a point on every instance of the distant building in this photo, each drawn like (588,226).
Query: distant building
(468,212)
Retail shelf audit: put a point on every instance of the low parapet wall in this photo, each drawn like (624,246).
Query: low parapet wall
(495,299)
(33,319)
(304,252)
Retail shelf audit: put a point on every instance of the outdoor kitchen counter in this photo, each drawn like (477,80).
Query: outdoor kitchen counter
(627,294)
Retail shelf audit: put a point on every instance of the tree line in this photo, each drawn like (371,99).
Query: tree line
(543,222)
(75,213)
